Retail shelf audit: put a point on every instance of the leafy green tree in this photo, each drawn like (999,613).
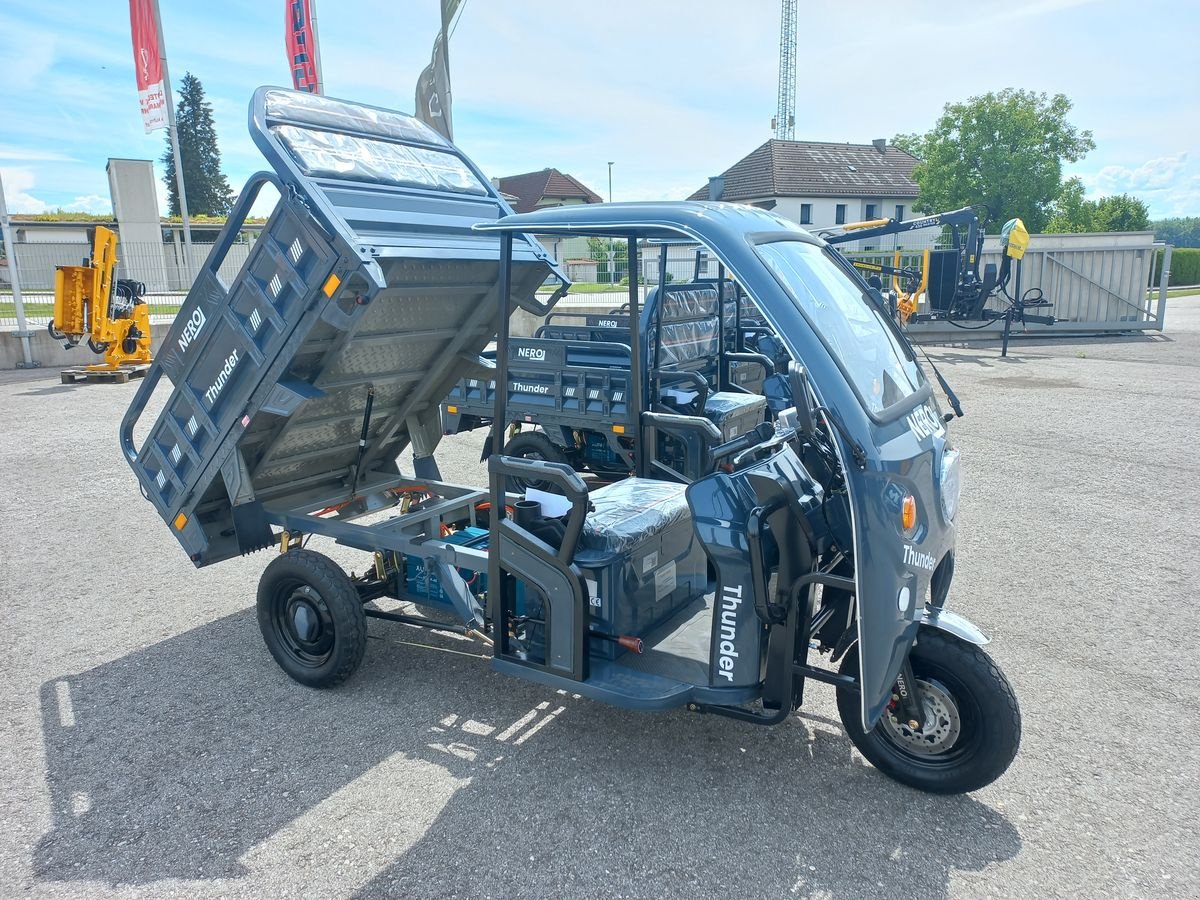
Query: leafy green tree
(1001,150)
(1072,213)
(208,191)
(1182,232)
(1120,212)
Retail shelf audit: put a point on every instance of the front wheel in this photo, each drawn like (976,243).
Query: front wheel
(972,722)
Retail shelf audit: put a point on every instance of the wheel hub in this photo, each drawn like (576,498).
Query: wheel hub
(942,722)
(305,622)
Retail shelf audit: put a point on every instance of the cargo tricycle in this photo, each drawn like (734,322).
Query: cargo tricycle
(819,547)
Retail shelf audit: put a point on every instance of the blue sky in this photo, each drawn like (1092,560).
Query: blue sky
(671,91)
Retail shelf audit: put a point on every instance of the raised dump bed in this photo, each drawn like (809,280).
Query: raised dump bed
(367,297)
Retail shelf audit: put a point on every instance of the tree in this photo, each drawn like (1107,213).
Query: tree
(1072,213)
(1120,212)
(208,191)
(1001,150)
(1182,232)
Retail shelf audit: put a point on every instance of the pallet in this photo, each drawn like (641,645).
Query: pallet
(119,375)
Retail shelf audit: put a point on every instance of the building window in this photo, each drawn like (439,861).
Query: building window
(805,213)
(870,211)
(899,212)
(839,216)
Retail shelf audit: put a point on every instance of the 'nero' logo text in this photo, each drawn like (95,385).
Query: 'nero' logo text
(607,323)
(731,599)
(191,329)
(924,423)
(214,391)
(537,353)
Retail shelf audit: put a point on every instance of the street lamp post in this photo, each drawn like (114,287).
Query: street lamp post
(612,268)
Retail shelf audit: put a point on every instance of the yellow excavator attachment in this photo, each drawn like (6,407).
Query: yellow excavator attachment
(110,315)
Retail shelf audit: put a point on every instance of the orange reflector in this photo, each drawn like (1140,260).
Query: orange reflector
(618,429)
(451,409)
(908,513)
(331,285)
(180,521)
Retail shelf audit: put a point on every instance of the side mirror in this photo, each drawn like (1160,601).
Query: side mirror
(798,380)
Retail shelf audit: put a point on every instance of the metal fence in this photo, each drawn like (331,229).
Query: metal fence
(1094,282)
(167,269)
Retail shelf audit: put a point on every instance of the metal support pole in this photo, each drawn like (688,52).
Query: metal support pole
(174,133)
(13,273)
(636,395)
(1163,280)
(312,11)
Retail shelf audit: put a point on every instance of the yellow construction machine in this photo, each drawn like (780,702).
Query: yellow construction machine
(110,314)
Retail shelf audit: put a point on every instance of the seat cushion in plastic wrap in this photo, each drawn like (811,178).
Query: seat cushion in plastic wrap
(725,404)
(630,511)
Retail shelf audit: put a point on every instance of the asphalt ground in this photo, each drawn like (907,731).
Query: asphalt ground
(150,747)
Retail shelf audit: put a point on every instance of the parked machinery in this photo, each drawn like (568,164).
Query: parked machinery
(949,278)
(110,314)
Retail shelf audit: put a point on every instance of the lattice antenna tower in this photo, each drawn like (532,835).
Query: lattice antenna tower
(784,123)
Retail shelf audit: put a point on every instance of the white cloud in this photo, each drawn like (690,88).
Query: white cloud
(23,154)
(1154,174)
(17,183)
(90,203)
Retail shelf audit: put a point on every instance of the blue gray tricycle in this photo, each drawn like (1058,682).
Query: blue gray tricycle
(299,403)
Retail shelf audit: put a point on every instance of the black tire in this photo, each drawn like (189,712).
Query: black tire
(978,720)
(54,332)
(533,445)
(311,618)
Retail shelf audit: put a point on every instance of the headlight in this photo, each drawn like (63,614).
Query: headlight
(949,482)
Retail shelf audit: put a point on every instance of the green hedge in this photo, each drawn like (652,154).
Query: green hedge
(1185,266)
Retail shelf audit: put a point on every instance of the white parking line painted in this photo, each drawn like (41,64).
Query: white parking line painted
(66,710)
(538,727)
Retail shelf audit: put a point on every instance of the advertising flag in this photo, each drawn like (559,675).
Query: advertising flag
(147,64)
(302,46)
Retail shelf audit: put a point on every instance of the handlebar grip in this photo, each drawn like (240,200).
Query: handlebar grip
(763,432)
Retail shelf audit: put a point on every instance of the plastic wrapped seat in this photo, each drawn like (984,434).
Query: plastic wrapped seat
(631,511)
(725,406)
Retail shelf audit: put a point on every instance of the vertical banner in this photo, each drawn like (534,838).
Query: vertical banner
(302,45)
(147,64)
(434,106)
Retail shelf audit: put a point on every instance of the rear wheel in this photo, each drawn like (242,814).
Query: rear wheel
(533,445)
(311,618)
(972,722)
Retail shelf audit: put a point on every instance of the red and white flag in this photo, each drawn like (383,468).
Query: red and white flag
(302,46)
(147,64)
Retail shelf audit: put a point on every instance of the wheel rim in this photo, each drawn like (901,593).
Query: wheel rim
(941,729)
(302,620)
(951,732)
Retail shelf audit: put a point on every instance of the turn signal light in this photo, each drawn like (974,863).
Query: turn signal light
(908,513)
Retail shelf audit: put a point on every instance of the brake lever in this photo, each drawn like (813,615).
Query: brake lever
(781,437)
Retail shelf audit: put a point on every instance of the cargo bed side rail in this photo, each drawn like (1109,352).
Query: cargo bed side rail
(207,281)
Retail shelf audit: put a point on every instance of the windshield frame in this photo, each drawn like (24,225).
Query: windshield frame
(920,393)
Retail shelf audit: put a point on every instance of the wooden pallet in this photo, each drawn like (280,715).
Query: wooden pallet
(108,376)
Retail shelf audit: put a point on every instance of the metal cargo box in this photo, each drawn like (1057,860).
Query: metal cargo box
(365,299)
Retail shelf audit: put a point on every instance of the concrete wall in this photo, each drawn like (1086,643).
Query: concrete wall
(50,354)
(135,206)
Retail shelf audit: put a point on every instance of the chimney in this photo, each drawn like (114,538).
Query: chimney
(716,187)
(880,145)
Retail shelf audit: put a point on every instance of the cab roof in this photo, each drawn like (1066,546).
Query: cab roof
(710,222)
